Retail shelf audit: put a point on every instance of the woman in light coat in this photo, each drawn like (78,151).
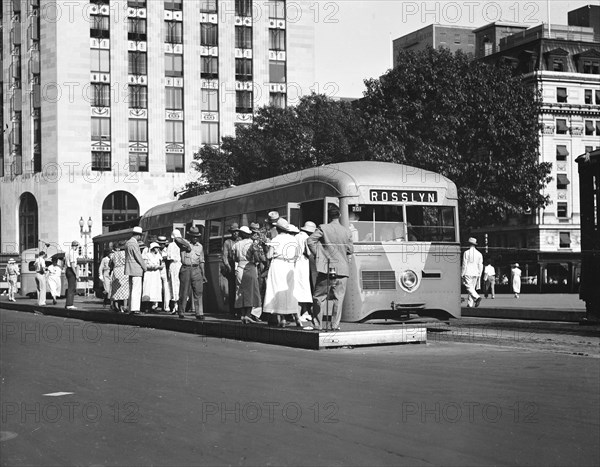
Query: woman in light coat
(54,279)
(515,274)
(152,286)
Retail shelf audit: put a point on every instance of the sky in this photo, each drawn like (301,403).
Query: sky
(353,38)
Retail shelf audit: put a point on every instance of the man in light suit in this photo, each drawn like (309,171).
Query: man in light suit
(331,244)
(135,266)
(472,268)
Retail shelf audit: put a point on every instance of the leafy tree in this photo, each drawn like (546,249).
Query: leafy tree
(475,123)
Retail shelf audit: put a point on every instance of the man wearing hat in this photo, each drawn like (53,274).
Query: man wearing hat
(174,265)
(72,273)
(332,246)
(40,277)
(271,221)
(192,273)
(472,268)
(228,265)
(135,266)
(164,272)
(12,274)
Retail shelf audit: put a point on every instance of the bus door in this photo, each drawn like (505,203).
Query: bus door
(181,227)
(326,202)
(293,214)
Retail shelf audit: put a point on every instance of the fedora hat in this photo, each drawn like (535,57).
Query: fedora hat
(194,231)
(255,226)
(138,230)
(309,227)
(245,229)
(472,241)
(12,260)
(273,217)
(234,227)
(161,239)
(282,224)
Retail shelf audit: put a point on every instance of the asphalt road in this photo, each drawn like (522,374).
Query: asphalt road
(151,397)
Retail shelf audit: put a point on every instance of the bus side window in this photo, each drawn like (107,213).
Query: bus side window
(215,236)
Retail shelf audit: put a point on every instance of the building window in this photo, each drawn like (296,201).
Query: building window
(28,222)
(591,67)
(138,63)
(558,64)
(561,210)
(561,127)
(277,99)
(243,69)
(138,162)
(100,95)
(174,5)
(209,67)
(243,7)
(100,61)
(564,240)
(101,161)
(173,65)
(243,101)
(597,96)
(174,162)
(119,206)
(588,96)
(136,3)
(174,98)
(174,32)
(174,131)
(37,143)
(99,26)
(210,133)
(277,39)
(457,38)
(561,153)
(276,71)
(208,6)
(209,35)
(243,37)
(210,100)
(100,129)
(138,96)
(562,181)
(277,9)
(561,94)
(589,127)
(136,29)
(138,130)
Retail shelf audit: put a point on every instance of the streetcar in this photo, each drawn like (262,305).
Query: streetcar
(404,222)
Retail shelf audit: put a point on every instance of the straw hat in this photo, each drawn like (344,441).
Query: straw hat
(293,229)
(12,260)
(472,241)
(282,224)
(309,227)
(273,217)
(245,229)
(161,239)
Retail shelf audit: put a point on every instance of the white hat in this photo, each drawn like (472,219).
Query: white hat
(293,229)
(245,229)
(309,227)
(137,230)
(516,265)
(473,241)
(282,224)
(154,245)
(176,233)
(12,260)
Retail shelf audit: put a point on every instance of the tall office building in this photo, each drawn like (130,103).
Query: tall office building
(106,102)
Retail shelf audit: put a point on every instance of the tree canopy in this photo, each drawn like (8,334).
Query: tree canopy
(475,123)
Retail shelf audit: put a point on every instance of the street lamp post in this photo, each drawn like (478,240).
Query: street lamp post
(85,233)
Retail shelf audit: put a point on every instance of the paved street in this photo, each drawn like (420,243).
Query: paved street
(139,396)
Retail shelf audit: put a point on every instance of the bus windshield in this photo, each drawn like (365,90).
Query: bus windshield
(414,223)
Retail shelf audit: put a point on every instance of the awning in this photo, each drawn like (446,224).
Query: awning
(565,238)
(561,126)
(562,179)
(562,151)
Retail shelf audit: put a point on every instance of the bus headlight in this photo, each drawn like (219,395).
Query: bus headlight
(409,279)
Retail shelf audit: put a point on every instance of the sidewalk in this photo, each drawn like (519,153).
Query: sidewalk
(546,307)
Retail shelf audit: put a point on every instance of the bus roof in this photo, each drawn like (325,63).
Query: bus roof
(344,178)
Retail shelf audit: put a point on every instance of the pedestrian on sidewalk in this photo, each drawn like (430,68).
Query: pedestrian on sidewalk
(12,274)
(489,279)
(104,275)
(174,265)
(135,267)
(119,282)
(472,268)
(246,257)
(191,275)
(54,279)
(152,284)
(228,267)
(303,287)
(72,274)
(40,277)
(515,279)
(164,273)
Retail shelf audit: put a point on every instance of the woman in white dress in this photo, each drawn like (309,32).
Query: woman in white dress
(54,279)
(279,297)
(515,274)
(302,283)
(152,286)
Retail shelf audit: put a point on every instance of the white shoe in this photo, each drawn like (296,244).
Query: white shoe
(71,307)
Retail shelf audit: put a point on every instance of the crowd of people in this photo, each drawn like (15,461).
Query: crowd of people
(270,272)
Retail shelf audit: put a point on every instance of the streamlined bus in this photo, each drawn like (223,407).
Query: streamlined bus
(404,222)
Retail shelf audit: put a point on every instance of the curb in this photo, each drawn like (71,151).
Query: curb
(538,314)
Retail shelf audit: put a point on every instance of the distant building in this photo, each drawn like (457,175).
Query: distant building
(436,36)
(105,102)
(488,37)
(586,16)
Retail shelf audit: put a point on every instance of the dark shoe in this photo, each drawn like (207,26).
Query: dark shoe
(255,319)
(181,316)
(54,301)
(200,317)
(477,302)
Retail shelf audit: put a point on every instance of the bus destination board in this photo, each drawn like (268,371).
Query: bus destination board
(403,196)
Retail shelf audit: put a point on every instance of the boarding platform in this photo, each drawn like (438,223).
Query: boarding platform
(350,335)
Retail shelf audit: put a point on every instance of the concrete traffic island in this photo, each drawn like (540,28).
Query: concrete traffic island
(351,335)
